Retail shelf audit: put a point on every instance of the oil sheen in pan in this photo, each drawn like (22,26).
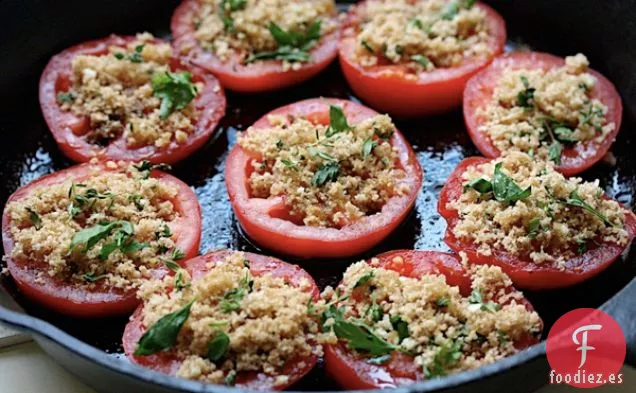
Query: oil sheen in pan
(440,143)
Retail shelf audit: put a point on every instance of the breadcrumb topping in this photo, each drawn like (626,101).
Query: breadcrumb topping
(244,27)
(326,179)
(114,92)
(541,112)
(560,218)
(424,34)
(430,320)
(110,228)
(268,325)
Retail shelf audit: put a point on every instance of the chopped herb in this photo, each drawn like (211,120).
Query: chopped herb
(310,307)
(481,185)
(337,121)
(505,189)
(283,53)
(172,265)
(90,236)
(376,312)
(367,147)
(178,281)
(554,152)
(476,299)
(379,360)
(581,246)
(364,280)
(366,46)
(218,323)
(137,200)
(293,45)
(218,346)
(564,135)
(502,337)
(332,312)
(360,337)
(400,326)
(289,164)
(119,55)
(230,379)
(279,144)
(575,200)
(534,226)
(326,172)
(447,356)
(175,89)
(321,154)
(35,218)
(422,60)
(65,97)
(91,277)
(163,334)
(526,96)
(442,302)
(145,167)
(232,299)
(165,232)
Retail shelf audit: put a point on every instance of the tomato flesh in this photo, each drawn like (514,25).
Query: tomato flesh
(392,89)
(523,272)
(168,363)
(266,225)
(102,300)
(69,130)
(257,77)
(575,159)
(353,372)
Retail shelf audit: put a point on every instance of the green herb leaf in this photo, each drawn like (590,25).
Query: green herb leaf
(581,246)
(289,164)
(364,280)
(576,200)
(90,236)
(564,135)
(525,97)
(377,313)
(163,334)
(332,312)
(481,185)
(35,218)
(146,167)
(361,338)
(367,147)
(422,60)
(176,91)
(218,346)
(319,153)
(366,46)
(283,53)
(442,302)
(554,152)
(400,326)
(450,10)
(65,97)
(534,226)
(326,172)
(230,378)
(91,277)
(505,189)
(447,356)
(379,360)
(337,121)
(476,299)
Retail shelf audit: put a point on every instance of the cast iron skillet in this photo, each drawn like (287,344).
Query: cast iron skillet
(34,30)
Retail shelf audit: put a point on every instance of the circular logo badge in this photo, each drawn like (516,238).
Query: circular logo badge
(586,348)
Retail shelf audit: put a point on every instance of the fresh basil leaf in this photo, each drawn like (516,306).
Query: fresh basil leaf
(327,172)
(400,326)
(90,236)
(505,189)
(360,337)
(367,147)
(364,280)
(576,200)
(564,135)
(526,96)
(481,185)
(283,53)
(337,121)
(332,312)
(218,346)
(163,334)
(172,265)
(477,300)
(175,89)
(554,152)
(35,218)
(447,356)
(377,313)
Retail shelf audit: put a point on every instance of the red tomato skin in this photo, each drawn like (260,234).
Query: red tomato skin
(260,220)
(104,301)
(258,77)
(574,160)
(168,363)
(353,373)
(524,273)
(68,129)
(386,89)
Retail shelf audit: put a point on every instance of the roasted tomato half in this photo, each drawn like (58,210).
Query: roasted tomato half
(408,316)
(214,38)
(127,98)
(552,233)
(81,240)
(416,72)
(322,178)
(571,116)
(239,326)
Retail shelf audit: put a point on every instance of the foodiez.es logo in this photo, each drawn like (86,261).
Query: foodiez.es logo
(586,348)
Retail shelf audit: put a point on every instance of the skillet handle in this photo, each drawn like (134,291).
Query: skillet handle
(622,307)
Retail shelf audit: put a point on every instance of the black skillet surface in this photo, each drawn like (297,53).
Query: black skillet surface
(603,30)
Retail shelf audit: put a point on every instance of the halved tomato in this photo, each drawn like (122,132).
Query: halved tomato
(523,272)
(168,362)
(575,159)
(234,75)
(354,372)
(69,130)
(393,89)
(268,222)
(102,300)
